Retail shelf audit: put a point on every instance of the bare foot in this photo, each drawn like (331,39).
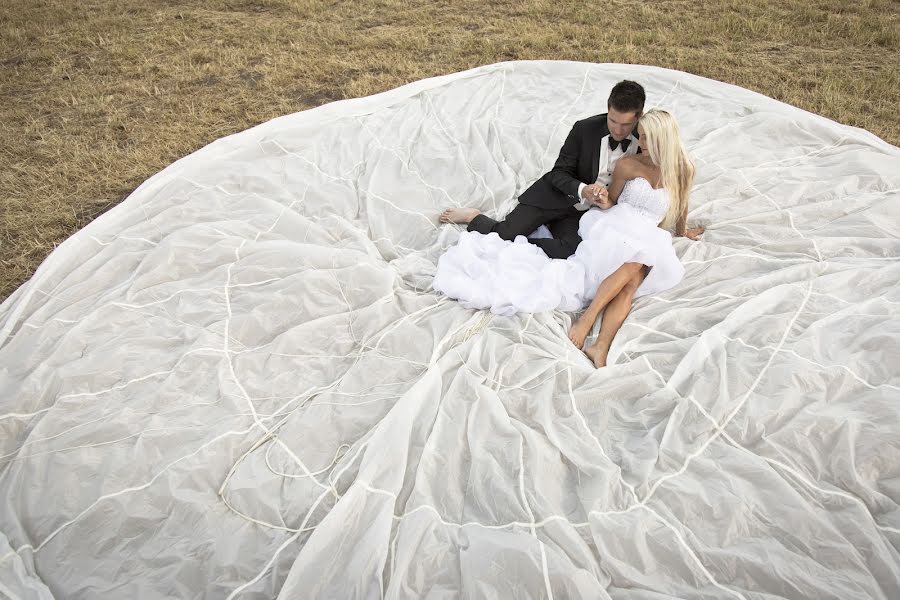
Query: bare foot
(579,332)
(598,355)
(459,215)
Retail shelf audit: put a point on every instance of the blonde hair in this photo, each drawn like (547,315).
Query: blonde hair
(662,138)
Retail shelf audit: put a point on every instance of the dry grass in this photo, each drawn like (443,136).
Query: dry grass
(99,95)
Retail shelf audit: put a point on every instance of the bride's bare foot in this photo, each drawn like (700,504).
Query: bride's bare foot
(579,332)
(597,355)
(599,350)
(459,215)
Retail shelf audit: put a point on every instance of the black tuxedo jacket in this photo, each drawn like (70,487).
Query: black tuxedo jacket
(578,163)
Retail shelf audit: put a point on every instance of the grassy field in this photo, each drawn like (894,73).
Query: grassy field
(97,96)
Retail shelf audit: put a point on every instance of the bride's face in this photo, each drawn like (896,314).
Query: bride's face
(642,140)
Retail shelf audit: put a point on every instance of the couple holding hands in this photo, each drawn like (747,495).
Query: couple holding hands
(591,232)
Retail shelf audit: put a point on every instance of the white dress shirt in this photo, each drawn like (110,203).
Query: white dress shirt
(607,162)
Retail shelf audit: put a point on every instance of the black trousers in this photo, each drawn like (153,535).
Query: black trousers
(524,218)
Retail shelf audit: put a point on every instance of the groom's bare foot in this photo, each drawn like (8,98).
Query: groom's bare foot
(459,215)
(597,355)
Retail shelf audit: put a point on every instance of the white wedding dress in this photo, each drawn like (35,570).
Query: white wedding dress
(486,272)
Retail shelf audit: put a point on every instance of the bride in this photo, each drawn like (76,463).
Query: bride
(625,251)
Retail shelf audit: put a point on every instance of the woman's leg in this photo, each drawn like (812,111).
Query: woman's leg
(613,317)
(609,288)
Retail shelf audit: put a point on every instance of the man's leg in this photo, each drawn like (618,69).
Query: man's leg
(522,220)
(565,235)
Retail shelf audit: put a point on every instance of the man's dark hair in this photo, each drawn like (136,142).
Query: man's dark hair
(627,96)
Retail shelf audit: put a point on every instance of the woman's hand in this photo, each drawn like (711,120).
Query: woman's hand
(601,199)
(694,233)
(597,195)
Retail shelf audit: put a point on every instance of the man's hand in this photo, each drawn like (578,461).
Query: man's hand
(597,195)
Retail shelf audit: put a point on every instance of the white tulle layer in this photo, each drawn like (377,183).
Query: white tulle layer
(486,272)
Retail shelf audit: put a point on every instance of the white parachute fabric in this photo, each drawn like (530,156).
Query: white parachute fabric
(239,384)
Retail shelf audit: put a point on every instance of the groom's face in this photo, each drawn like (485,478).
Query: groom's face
(621,124)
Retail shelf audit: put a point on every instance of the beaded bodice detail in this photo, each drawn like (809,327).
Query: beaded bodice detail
(640,195)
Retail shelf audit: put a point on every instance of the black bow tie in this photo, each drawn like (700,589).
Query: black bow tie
(613,144)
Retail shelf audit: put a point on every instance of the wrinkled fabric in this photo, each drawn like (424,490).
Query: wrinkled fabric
(239,383)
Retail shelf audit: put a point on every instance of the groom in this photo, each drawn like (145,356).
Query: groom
(577,181)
